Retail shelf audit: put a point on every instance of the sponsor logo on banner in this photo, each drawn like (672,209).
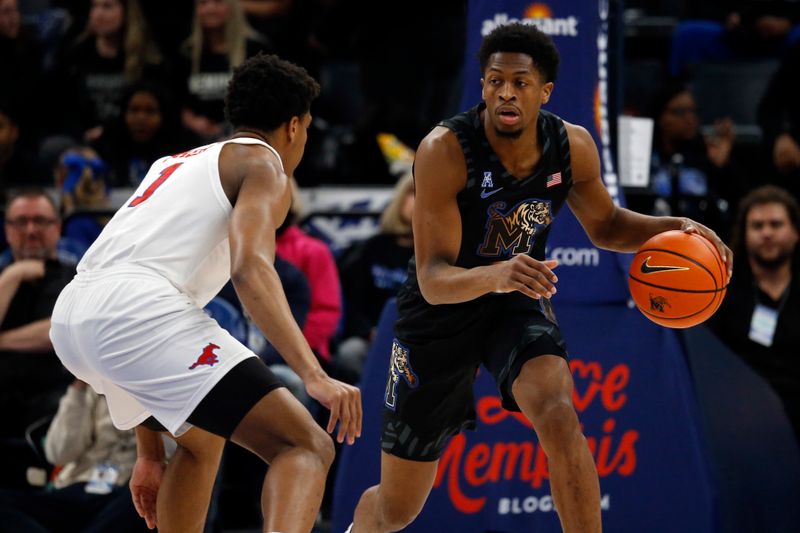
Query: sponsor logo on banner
(568,256)
(465,468)
(538,14)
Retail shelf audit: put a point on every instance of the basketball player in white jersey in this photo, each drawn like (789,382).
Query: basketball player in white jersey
(131,322)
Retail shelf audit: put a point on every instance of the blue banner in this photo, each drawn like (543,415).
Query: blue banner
(584,93)
(633,396)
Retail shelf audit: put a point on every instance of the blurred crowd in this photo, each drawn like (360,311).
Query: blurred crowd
(94,91)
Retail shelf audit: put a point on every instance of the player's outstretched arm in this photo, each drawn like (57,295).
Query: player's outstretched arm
(440,173)
(609,226)
(147,474)
(261,204)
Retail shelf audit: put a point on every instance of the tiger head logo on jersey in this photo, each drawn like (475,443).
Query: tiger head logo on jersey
(400,367)
(512,231)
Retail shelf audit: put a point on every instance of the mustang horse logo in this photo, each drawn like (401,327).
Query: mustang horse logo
(512,232)
(208,357)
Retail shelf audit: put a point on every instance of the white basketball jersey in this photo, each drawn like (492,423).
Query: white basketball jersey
(175,224)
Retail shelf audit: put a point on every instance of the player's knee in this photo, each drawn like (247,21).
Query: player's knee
(397,514)
(320,445)
(555,420)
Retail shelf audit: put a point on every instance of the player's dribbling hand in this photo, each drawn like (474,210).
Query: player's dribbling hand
(690,226)
(145,482)
(527,275)
(344,403)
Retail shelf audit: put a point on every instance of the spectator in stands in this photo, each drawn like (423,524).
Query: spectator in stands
(315,260)
(148,128)
(372,272)
(16,162)
(10,19)
(90,490)
(779,117)
(286,23)
(395,101)
(690,174)
(760,314)
(739,30)
(221,40)
(32,378)
(114,50)
(80,178)
(21,65)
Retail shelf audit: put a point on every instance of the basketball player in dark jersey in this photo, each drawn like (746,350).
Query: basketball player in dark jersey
(488,184)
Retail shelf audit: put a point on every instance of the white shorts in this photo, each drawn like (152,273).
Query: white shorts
(142,343)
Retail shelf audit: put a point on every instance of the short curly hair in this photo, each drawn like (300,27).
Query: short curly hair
(523,39)
(266,91)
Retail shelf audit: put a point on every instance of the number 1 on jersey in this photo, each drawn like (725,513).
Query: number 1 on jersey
(165,174)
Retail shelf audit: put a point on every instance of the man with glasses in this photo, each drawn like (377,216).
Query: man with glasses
(32,378)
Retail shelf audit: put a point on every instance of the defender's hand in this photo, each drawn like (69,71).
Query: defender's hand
(344,402)
(690,226)
(144,484)
(527,275)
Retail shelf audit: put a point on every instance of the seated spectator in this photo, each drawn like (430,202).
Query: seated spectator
(779,118)
(287,24)
(221,40)
(32,378)
(743,30)
(690,174)
(17,167)
(21,65)
(759,317)
(148,128)
(80,180)
(372,272)
(114,50)
(315,260)
(91,488)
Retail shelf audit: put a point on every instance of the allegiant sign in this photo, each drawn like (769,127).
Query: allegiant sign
(538,14)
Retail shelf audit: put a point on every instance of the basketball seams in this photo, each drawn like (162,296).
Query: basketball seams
(694,261)
(673,289)
(684,317)
(716,256)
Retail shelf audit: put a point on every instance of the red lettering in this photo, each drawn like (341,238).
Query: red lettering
(477,457)
(616,381)
(583,370)
(607,387)
(449,465)
(623,461)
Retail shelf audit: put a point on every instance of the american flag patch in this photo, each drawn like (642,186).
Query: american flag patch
(554,179)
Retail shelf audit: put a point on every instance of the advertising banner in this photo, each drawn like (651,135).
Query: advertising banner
(633,397)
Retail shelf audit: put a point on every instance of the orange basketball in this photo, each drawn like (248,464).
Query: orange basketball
(677,279)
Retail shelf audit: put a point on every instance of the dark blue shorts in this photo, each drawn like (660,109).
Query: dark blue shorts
(429,395)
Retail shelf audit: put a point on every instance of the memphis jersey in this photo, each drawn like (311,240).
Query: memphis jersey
(175,225)
(501,215)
